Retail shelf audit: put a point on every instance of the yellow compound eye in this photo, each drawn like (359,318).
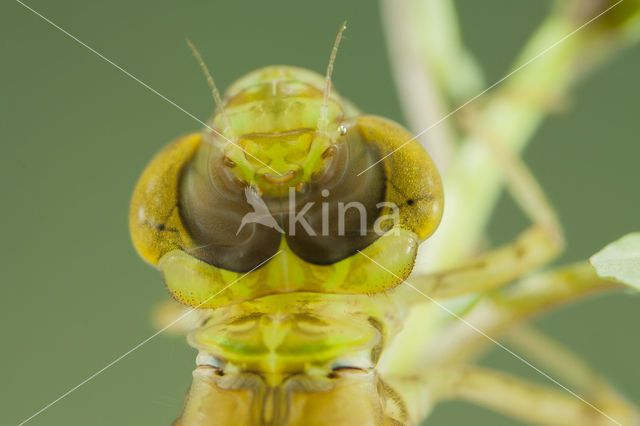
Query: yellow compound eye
(154,218)
(412,180)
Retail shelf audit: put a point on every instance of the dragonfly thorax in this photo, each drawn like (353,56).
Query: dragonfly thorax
(294,359)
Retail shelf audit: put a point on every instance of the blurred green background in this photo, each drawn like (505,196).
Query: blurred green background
(76,133)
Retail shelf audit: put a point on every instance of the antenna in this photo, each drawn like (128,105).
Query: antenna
(323,119)
(212,86)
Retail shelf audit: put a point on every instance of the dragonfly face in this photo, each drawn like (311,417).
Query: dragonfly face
(273,116)
(263,222)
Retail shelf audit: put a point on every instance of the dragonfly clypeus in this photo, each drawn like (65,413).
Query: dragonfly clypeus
(288,230)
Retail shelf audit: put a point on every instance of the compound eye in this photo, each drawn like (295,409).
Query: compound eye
(338,216)
(212,208)
(414,184)
(387,180)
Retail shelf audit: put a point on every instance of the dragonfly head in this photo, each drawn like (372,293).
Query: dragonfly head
(293,173)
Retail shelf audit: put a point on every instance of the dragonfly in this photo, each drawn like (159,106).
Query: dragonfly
(288,231)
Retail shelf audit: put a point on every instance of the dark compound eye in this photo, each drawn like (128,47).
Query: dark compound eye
(333,217)
(212,208)
(338,215)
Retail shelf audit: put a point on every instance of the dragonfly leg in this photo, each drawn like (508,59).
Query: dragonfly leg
(527,401)
(501,314)
(534,247)
(557,360)
(504,310)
